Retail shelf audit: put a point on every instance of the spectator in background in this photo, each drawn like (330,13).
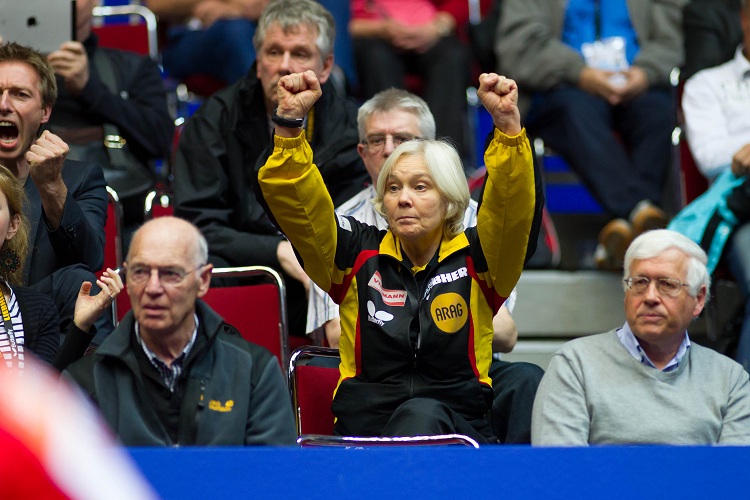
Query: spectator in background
(100,88)
(712,34)
(590,70)
(385,121)
(395,38)
(231,132)
(716,105)
(212,37)
(646,383)
(173,372)
(66,200)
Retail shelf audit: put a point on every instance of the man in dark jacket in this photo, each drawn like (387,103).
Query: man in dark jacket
(231,132)
(66,200)
(108,92)
(172,372)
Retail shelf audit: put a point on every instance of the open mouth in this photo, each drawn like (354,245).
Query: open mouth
(8,133)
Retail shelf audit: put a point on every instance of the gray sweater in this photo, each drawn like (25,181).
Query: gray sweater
(595,392)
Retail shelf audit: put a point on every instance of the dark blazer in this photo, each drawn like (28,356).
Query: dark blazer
(216,159)
(712,33)
(40,323)
(80,237)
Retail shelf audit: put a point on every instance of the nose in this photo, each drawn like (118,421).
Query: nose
(652,294)
(389,146)
(153,285)
(285,66)
(404,197)
(5,101)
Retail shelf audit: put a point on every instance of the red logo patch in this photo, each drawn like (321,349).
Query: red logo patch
(390,297)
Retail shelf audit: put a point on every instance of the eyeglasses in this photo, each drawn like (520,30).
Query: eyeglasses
(167,275)
(376,143)
(665,286)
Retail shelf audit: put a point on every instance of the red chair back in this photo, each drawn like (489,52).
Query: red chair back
(126,27)
(257,310)
(312,389)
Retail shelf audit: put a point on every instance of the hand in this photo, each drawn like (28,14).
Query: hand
(598,82)
(297,93)
(418,39)
(210,11)
(636,83)
(741,161)
(250,9)
(72,64)
(46,157)
(290,264)
(90,307)
(499,96)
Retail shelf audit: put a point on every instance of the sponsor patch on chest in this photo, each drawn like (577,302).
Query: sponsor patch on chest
(459,273)
(449,312)
(390,297)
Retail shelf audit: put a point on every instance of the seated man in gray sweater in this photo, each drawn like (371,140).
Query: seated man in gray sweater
(646,382)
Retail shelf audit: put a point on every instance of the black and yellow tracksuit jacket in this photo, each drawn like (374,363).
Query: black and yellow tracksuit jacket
(404,336)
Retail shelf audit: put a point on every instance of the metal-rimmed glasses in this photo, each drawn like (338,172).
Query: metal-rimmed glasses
(665,286)
(167,275)
(376,142)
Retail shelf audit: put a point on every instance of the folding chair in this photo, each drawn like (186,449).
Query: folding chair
(256,306)
(312,389)
(137,34)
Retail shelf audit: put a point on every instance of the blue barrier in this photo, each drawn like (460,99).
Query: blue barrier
(515,472)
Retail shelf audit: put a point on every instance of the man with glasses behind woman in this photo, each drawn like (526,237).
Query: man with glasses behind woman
(646,383)
(173,373)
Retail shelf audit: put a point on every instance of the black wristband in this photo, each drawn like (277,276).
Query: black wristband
(287,122)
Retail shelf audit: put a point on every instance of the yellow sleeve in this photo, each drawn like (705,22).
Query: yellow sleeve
(507,209)
(296,195)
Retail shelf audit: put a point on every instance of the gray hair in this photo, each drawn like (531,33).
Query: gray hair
(652,244)
(401,100)
(446,171)
(291,13)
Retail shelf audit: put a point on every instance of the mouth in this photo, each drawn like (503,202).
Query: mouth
(8,134)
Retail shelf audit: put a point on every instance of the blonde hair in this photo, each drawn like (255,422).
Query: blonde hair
(446,171)
(19,244)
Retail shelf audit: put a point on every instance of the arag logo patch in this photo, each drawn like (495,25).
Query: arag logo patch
(449,312)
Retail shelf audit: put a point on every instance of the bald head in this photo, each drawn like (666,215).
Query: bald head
(166,273)
(171,232)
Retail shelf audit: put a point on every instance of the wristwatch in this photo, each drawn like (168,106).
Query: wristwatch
(286,122)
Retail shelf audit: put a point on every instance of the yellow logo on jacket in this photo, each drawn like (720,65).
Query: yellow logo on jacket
(217,406)
(449,312)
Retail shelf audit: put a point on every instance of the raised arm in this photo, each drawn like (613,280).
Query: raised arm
(507,207)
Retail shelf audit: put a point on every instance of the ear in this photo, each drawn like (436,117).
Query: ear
(326,71)
(46,112)
(15,223)
(205,280)
(700,302)
(361,150)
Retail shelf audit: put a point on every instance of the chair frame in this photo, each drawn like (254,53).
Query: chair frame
(134,10)
(320,440)
(316,440)
(153,198)
(114,200)
(273,276)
